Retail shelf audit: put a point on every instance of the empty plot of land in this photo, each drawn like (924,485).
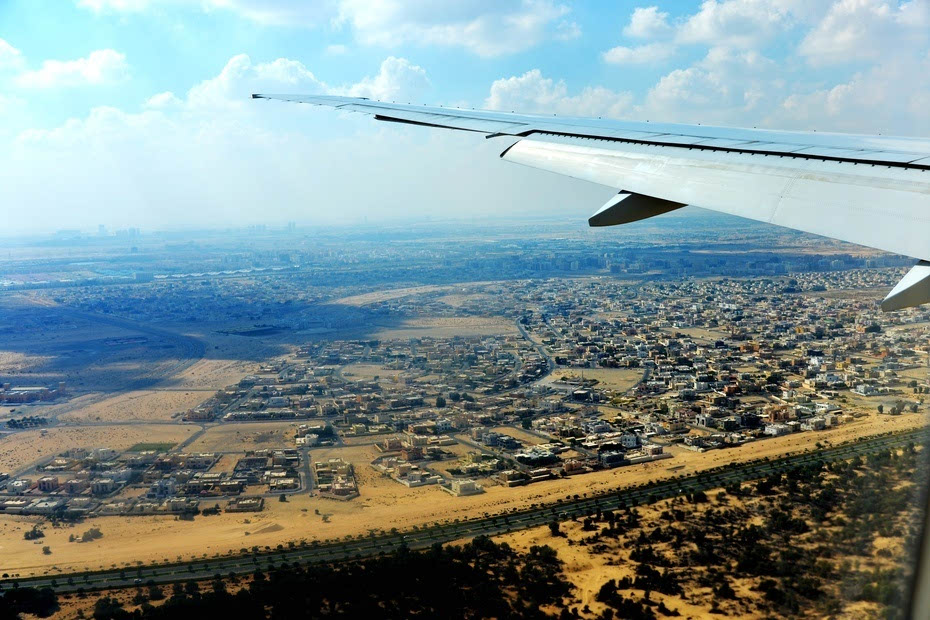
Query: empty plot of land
(609,378)
(379,296)
(521,435)
(448,327)
(245,436)
(146,405)
(459,300)
(367,372)
(19,450)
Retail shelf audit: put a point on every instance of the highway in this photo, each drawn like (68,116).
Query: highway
(492,525)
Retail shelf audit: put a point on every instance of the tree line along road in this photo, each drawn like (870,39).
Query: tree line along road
(536,515)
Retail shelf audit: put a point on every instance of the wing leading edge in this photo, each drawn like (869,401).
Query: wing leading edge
(869,190)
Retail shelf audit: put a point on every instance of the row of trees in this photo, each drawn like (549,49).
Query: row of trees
(481,579)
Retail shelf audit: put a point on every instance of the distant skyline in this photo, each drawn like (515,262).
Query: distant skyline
(136,112)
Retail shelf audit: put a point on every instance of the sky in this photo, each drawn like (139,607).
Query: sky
(137,112)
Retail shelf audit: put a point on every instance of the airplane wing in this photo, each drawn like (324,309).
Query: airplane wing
(869,190)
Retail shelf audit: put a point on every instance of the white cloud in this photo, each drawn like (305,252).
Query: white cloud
(639,55)
(181,163)
(725,87)
(162,101)
(484,27)
(299,13)
(647,23)
(396,80)
(889,98)
(533,93)
(735,23)
(10,57)
(857,30)
(99,67)
(232,87)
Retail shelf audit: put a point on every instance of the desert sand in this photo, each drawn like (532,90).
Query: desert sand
(448,327)
(383,504)
(21,450)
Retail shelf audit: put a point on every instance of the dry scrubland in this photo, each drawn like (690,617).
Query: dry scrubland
(830,544)
(383,504)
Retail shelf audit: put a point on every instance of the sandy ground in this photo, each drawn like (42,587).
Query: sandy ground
(15,362)
(461,300)
(20,450)
(588,571)
(608,378)
(379,296)
(448,328)
(520,435)
(147,405)
(244,436)
(383,504)
(367,372)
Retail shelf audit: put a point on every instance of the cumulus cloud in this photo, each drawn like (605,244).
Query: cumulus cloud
(735,23)
(534,93)
(99,67)
(162,101)
(725,87)
(397,79)
(214,157)
(647,23)
(639,55)
(857,30)
(890,98)
(484,27)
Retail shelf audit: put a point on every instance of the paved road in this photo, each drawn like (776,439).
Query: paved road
(497,524)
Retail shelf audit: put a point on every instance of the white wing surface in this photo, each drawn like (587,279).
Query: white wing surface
(869,190)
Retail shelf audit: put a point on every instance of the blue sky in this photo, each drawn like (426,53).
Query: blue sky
(135,112)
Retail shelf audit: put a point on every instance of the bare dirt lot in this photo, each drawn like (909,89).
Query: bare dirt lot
(448,327)
(620,379)
(19,450)
(244,436)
